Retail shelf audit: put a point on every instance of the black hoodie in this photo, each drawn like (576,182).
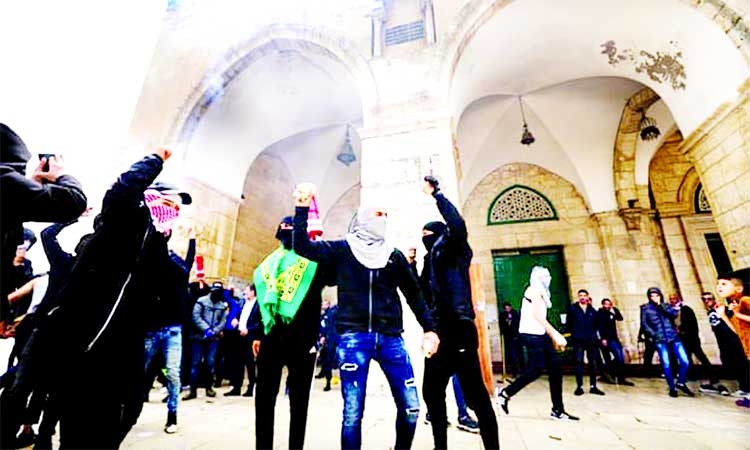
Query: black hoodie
(25,200)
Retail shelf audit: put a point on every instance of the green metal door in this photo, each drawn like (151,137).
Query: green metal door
(512,269)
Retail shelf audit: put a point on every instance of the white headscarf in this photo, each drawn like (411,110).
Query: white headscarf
(539,280)
(367,239)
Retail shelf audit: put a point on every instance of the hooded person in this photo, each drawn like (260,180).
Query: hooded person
(289,294)
(445,282)
(97,319)
(209,319)
(48,196)
(368,271)
(540,341)
(658,323)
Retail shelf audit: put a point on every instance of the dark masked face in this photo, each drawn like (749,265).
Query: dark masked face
(216,295)
(284,234)
(431,233)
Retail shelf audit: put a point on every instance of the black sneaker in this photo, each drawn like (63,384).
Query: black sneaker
(723,390)
(685,390)
(708,389)
(190,396)
(578,391)
(562,415)
(595,390)
(503,400)
(320,375)
(234,392)
(248,392)
(673,393)
(210,392)
(468,424)
(327,388)
(25,439)
(171,426)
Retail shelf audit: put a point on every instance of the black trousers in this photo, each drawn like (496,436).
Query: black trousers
(276,352)
(457,354)
(238,356)
(693,347)
(540,354)
(591,349)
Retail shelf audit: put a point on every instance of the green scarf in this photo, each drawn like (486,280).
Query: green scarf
(281,282)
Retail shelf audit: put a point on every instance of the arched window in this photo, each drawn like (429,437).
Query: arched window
(520,204)
(700,200)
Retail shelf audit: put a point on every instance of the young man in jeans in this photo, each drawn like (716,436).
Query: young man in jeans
(368,270)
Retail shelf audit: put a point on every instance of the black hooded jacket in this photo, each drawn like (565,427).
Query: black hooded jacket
(367,298)
(657,321)
(445,275)
(96,322)
(25,200)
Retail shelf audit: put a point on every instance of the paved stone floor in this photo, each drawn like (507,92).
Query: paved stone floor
(641,417)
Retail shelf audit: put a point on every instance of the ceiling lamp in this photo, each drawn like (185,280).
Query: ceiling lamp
(526,137)
(346,155)
(649,130)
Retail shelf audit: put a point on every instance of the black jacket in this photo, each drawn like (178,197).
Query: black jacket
(688,329)
(96,323)
(445,276)
(581,324)
(367,298)
(173,307)
(657,322)
(25,200)
(607,323)
(509,323)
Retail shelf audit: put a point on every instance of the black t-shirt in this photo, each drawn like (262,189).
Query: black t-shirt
(720,328)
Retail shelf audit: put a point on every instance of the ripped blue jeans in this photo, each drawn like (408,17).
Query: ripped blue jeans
(355,351)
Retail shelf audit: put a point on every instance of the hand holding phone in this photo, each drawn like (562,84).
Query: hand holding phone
(45,157)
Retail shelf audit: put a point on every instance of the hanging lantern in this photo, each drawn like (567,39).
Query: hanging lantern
(649,130)
(346,155)
(526,137)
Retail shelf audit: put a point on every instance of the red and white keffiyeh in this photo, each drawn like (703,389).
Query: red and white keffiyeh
(164,211)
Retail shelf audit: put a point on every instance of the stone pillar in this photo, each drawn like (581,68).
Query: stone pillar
(378,19)
(428,15)
(635,259)
(720,152)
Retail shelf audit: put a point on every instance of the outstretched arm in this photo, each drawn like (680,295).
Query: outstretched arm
(454,221)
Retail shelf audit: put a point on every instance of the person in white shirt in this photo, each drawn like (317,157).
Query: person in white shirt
(541,341)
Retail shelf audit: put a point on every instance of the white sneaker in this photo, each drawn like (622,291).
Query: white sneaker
(740,394)
(171,429)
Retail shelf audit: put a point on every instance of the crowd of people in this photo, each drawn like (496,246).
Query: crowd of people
(123,305)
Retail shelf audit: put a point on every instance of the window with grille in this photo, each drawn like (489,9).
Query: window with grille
(701,201)
(520,204)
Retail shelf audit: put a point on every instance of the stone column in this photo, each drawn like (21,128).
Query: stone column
(720,152)
(378,19)
(635,259)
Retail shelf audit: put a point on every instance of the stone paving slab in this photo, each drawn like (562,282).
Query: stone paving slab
(642,417)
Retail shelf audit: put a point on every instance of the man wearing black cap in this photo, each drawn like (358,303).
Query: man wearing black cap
(209,318)
(445,283)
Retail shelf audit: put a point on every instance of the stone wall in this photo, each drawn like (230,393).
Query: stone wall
(720,151)
(268,198)
(575,230)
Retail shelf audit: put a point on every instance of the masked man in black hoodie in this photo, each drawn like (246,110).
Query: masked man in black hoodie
(289,327)
(49,195)
(97,321)
(368,270)
(445,282)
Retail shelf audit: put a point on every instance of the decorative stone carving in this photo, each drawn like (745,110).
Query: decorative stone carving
(660,67)
(520,204)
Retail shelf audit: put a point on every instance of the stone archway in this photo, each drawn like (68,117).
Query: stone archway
(273,38)
(625,148)
(477,12)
